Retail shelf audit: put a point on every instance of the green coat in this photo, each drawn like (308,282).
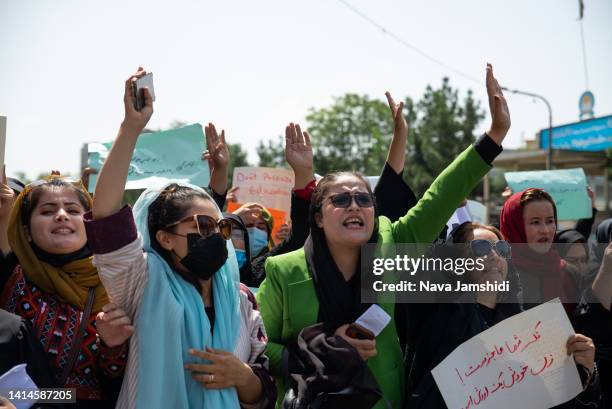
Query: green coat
(288,301)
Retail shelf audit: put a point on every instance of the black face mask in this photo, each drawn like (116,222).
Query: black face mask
(205,256)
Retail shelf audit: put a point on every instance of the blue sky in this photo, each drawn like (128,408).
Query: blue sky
(251,67)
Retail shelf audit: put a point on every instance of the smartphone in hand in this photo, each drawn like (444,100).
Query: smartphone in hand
(146,81)
(370,324)
(358,332)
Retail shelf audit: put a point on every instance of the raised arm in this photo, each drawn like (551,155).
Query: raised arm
(397,149)
(218,157)
(393,195)
(113,175)
(298,153)
(423,222)
(7,199)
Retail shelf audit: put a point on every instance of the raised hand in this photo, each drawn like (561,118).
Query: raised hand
(217,152)
(298,153)
(500,114)
(396,156)
(134,120)
(113,325)
(7,199)
(218,157)
(400,126)
(113,175)
(591,194)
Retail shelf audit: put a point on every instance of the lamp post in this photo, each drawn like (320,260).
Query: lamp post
(549,159)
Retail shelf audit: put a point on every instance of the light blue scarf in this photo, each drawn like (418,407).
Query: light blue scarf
(172,320)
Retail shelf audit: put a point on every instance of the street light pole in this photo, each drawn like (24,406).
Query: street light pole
(549,158)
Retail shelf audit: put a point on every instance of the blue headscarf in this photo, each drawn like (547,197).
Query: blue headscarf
(172,320)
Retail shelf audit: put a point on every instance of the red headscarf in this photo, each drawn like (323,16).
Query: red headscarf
(549,267)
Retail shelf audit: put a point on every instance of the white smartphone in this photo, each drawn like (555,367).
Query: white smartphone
(373,321)
(145,81)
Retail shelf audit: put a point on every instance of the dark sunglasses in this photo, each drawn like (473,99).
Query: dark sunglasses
(344,200)
(482,248)
(206,226)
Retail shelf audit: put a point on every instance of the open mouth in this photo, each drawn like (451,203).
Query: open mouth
(353,222)
(62,231)
(543,240)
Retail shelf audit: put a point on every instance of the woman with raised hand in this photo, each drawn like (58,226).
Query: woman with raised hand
(47,276)
(199,339)
(320,283)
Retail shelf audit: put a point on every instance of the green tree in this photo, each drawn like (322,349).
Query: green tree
(351,134)
(442,126)
(272,153)
(238,158)
(354,133)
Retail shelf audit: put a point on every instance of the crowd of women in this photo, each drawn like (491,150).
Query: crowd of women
(151,306)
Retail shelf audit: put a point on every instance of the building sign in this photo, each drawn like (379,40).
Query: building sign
(590,135)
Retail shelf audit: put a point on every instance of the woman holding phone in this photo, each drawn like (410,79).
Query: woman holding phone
(199,339)
(320,282)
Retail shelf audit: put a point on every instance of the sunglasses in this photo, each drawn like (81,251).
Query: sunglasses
(344,200)
(206,226)
(482,248)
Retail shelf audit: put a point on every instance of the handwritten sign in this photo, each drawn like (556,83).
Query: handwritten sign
(278,215)
(568,187)
(270,187)
(160,157)
(519,363)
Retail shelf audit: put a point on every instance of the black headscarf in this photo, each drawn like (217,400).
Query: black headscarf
(246,275)
(602,235)
(339,300)
(565,238)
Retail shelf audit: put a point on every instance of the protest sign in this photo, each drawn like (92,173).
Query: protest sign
(278,215)
(270,187)
(568,187)
(519,363)
(2,139)
(159,157)
(478,211)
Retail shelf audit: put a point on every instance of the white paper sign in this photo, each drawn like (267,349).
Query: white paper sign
(519,363)
(269,186)
(18,379)
(2,140)
(374,319)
